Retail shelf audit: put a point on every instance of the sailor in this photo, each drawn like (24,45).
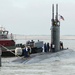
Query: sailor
(29,50)
(47,47)
(61,45)
(52,48)
(25,52)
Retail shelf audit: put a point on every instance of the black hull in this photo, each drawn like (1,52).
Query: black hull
(8,54)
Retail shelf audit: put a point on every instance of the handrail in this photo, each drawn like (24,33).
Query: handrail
(8,50)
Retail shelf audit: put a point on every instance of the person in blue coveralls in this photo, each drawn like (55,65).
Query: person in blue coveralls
(45,48)
(25,52)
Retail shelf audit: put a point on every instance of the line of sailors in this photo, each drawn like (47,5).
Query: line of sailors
(48,48)
(27,50)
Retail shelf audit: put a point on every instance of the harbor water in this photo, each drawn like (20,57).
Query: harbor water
(55,64)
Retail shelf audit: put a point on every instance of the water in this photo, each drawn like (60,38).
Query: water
(60,63)
(69,43)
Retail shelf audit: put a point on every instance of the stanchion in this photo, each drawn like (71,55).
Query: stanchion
(0,56)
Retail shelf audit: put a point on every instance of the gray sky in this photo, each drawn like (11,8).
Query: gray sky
(33,17)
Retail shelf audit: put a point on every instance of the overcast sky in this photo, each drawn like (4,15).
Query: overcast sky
(33,17)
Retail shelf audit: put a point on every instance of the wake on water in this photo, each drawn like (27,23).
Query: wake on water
(58,63)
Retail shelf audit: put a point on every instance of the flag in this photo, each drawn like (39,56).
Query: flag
(61,17)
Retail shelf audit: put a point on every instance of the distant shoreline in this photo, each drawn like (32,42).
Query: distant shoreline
(42,37)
